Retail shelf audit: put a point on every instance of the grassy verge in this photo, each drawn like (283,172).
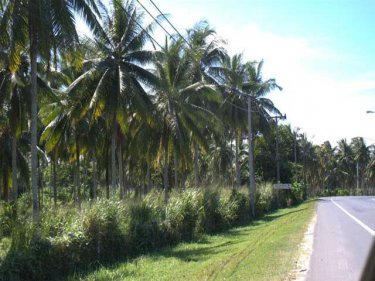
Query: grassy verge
(263,250)
(4,247)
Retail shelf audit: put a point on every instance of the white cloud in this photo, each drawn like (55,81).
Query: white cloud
(321,104)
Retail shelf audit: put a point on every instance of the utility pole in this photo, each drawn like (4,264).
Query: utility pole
(277,117)
(295,144)
(357,176)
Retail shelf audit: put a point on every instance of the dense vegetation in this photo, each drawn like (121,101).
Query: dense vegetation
(93,129)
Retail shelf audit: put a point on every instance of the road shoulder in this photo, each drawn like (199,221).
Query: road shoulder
(302,263)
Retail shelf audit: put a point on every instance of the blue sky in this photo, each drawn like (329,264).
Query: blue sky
(321,52)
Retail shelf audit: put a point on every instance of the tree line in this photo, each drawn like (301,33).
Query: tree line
(117,112)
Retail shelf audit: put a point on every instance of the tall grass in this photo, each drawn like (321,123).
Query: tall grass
(69,240)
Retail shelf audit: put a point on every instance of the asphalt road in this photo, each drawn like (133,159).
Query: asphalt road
(344,233)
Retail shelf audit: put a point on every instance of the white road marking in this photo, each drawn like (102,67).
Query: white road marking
(368,229)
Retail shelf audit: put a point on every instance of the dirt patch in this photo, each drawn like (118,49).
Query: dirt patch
(302,263)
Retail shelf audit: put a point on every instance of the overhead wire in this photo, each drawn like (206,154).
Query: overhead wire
(155,19)
(148,34)
(175,29)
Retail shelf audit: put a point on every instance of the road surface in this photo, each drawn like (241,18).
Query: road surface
(343,236)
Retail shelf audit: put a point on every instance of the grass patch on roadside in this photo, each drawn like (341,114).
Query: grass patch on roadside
(4,247)
(263,250)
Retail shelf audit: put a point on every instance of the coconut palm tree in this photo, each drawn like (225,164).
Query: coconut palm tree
(38,25)
(204,51)
(179,115)
(231,74)
(116,70)
(346,163)
(256,88)
(15,94)
(362,157)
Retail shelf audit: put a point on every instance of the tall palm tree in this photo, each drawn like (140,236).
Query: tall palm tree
(39,25)
(116,70)
(15,93)
(327,165)
(180,117)
(346,163)
(256,88)
(231,74)
(204,51)
(362,157)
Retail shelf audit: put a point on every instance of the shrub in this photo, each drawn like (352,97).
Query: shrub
(70,240)
(181,214)
(266,199)
(102,227)
(210,219)
(7,213)
(234,207)
(143,232)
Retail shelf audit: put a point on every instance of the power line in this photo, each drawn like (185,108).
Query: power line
(155,19)
(169,22)
(149,35)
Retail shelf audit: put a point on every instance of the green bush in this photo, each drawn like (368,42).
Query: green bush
(209,218)
(70,240)
(181,214)
(266,199)
(102,227)
(143,231)
(7,213)
(234,207)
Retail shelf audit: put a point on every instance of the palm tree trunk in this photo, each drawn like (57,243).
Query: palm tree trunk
(33,62)
(107,176)
(238,171)
(95,176)
(148,176)
(196,164)
(120,169)
(78,177)
(165,174)
(14,167)
(251,159)
(54,182)
(175,170)
(5,185)
(113,158)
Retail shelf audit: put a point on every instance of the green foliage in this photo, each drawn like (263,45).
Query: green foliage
(182,212)
(235,206)
(266,199)
(6,219)
(298,190)
(334,192)
(143,228)
(210,219)
(70,240)
(102,227)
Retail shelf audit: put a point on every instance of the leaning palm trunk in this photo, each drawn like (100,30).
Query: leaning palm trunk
(14,167)
(113,158)
(120,170)
(95,176)
(33,63)
(148,176)
(78,176)
(54,182)
(165,175)
(196,164)
(175,163)
(238,171)
(251,159)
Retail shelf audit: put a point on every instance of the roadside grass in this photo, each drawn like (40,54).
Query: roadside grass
(265,249)
(4,247)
